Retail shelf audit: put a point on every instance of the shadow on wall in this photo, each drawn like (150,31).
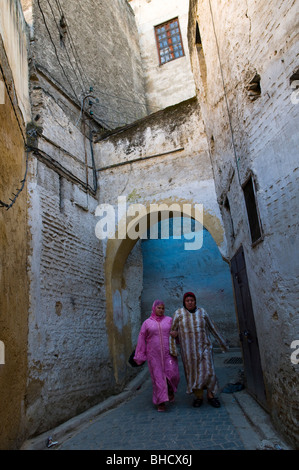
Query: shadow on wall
(169,270)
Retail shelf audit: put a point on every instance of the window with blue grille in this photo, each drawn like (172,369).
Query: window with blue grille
(169,41)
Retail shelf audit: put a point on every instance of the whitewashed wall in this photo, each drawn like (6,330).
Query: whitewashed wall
(171,82)
(259,136)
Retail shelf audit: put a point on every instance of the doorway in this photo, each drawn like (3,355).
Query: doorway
(247,329)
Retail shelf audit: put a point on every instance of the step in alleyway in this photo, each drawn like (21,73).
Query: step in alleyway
(130,421)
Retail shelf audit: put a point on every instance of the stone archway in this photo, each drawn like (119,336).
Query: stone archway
(117,252)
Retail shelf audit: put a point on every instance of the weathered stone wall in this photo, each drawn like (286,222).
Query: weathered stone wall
(69,368)
(256,131)
(14,113)
(69,364)
(173,81)
(91,44)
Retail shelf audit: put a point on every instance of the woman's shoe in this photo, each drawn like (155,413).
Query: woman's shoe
(161,407)
(214,402)
(197,402)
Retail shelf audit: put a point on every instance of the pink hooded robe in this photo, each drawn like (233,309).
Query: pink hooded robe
(153,347)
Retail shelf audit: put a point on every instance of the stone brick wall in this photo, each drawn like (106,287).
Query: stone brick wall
(69,368)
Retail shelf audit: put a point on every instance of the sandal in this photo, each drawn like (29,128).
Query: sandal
(197,402)
(161,407)
(214,402)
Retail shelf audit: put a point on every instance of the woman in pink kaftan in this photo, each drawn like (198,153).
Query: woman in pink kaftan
(153,347)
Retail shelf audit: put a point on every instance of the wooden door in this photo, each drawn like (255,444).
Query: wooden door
(247,330)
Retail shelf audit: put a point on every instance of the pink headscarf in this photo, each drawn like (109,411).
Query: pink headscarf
(153,314)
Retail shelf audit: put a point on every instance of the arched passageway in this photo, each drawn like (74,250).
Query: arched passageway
(117,251)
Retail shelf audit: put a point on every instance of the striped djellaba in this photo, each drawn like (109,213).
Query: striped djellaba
(196,348)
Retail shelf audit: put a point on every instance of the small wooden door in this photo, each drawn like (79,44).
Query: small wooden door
(247,330)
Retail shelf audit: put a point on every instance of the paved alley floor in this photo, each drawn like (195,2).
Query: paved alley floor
(133,423)
(137,425)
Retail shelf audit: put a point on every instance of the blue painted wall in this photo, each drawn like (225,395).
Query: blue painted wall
(169,270)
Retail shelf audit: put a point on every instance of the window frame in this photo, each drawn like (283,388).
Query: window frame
(252,211)
(168,23)
(226,205)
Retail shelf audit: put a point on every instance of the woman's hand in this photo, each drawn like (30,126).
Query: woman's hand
(173,334)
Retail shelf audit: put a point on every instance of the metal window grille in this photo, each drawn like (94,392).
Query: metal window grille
(169,41)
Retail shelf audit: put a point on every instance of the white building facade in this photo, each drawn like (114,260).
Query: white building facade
(162,29)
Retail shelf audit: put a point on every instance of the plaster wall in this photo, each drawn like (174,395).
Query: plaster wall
(14,113)
(173,81)
(13,276)
(257,134)
(14,36)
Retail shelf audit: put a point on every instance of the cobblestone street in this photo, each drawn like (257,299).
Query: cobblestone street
(134,424)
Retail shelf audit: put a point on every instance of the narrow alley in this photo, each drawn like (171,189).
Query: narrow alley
(131,422)
(148,148)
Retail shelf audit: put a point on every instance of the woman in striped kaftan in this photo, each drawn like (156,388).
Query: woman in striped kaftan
(192,326)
